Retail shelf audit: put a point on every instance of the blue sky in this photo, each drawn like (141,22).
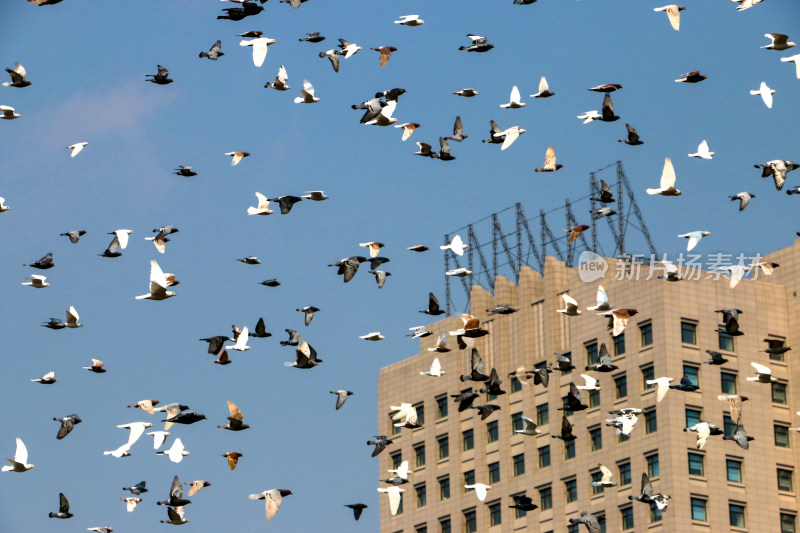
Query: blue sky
(88,61)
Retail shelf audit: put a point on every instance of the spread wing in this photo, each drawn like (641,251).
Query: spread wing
(667,175)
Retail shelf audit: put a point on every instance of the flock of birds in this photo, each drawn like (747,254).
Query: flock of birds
(379,111)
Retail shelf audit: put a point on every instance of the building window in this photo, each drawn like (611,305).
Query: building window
(421,529)
(728,425)
(692,372)
(688,332)
(788,523)
(494,472)
(619,344)
(397,458)
(544,456)
(594,398)
(778,392)
(470,521)
(444,488)
(621,386)
(571,489)
(545,498)
(422,495)
(626,514)
(469,479)
(419,454)
(692,416)
(467,440)
(420,407)
(444,525)
(736,513)
(650,421)
(725,341)
(444,446)
(569,449)
(516,422)
(655,513)
(491,431)
(516,385)
(728,383)
(624,474)
(646,334)
(542,414)
(395,429)
(647,374)
(495,514)
(696,466)
(519,464)
(734,470)
(596,439)
(441,406)
(596,477)
(698,506)
(785,480)
(653,468)
(591,353)
(781,436)
(573,528)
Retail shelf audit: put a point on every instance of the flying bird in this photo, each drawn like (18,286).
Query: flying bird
(549,161)
(409,20)
(479,44)
(97,367)
(435,369)
(233,459)
(259,45)
(44,263)
(176,452)
(67,425)
(763,373)
(544,89)
(158,284)
(702,151)
(313,37)
(197,486)
(778,41)
(667,185)
(308,311)
(235,419)
(372,336)
(606,88)
(470,92)
(280,81)
(74,235)
(237,156)
(175,514)
(36,281)
(130,503)
(317,196)
(514,101)
(691,77)
(18,76)
(618,319)
(704,430)
(380,277)
(793,59)
(458,131)
(778,169)
(766,94)
(262,207)
(570,306)
(20,461)
(633,136)
(63,508)
(694,238)
(145,405)
(76,148)
(241,341)
(215,52)
(589,520)
(286,202)
(161,78)
(341,397)
(357,508)
(9,113)
(348,266)
(386,53)
(47,379)
(674,14)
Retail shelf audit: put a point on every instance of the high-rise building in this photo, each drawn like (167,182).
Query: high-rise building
(721,487)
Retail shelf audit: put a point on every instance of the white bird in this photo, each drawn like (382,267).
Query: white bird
(591,383)
(401,471)
(259,48)
(514,101)
(624,423)
(702,151)
(280,81)
(136,430)
(2,206)
(544,89)
(589,116)
(778,41)
(237,156)
(76,148)
(241,341)
(703,430)
(694,238)
(8,112)
(317,196)
(667,185)
(410,20)
(435,370)
(419,332)
(744,198)
(307,93)
(348,49)
(737,273)
(459,272)
(158,438)
(570,306)
(764,373)
(745,4)
(605,480)
(456,245)
(766,94)
(176,452)
(158,284)
(528,427)
(47,379)
(121,236)
(480,490)
(72,318)
(36,281)
(511,134)
(122,451)
(372,336)
(441,344)
(408,129)
(130,503)
(602,301)
(662,385)
(674,14)
(394,495)
(262,208)
(403,414)
(272,500)
(20,461)
(793,59)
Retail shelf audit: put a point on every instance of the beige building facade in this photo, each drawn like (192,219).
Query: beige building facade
(721,487)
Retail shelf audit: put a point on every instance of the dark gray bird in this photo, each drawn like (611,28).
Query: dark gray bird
(185,171)
(306,356)
(730,317)
(373,108)
(776,346)
(162,78)
(175,495)
(778,169)
(239,13)
(222,358)
(215,52)
(397,481)
(458,131)
(691,77)
(486,410)
(380,277)
(308,311)
(185,417)
(522,502)
(286,202)
(444,151)
(166,230)
(341,397)
(494,384)
(541,376)
(633,136)
(464,400)
(504,309)
(313,37)
(604,211)
(380,443)
(294,338)
(646,493)
(333,55)
(44,263)
(685,385)
(251,34)
(588,520)
(375,262)
(67,425)
(606,88)
(137,489)
(260,330)
(251,260)
(566,430)
(604,363)
(605,195)
(433,306)
(357,508)
(63,508)
(493,138)
(113,248)
(469,92)
(479,44)
(716,358)
(564,363)
(426,150)
(744,199)
(17,77)
(215,343)
(574,400)
(54,323)
(391,94)
(608,110)
(74,235)
(271,283)
(477,370)
(349,266)
(740,436)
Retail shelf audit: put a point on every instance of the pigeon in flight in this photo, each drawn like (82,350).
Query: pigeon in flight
(215,52)
(778,41)
(260,46)
(602,300)
(317,196)
(333,55)
(44,263)
(435,369)
(522,502)
(528,427)
(235,419)
(357,508)
(480,490)
(348,266)
(137,489)
(8,112)
(185,417)
(380,277)
(97,367)
(458,131)
(606,88)
(280,81)
(176,452)
(233,459)
(433,304)
(479,44)
(550,164)
(740,436)
(570,306)
(793,59)
(130,503)
(47,379)
(441,344)
(158,284)
(175,514)
(764,373)
(409,20)
(674,14)
(262,207)
(618,319)
(702,151)
(313,37)
(63,508)
(341,397)
(175,495)
(74,235)
(18,76)
(467,92)
(348,49)
(604,362)
(605,195)
(380,442)
(544,89)
(766,94)
(667,185)
(162,78)
(456,245)
(20,461)
(691,77)
(514,100)
(704,430)
(633,136)
(308,311)
(237,156)
(67,425)
(239,13)
(241,341)
(76,148)
(36,281)
(778,169)
(372,336)
(286,202)
(509,135)
(694,238)
(386,53)
(464,400)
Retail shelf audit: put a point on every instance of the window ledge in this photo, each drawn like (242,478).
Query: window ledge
(690,346)
(698,478)
(441,420)
(786,493)
(736,484)
(620,400)
(699,523)
(646,348)
(597,496)
(442,461)
(738,528)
